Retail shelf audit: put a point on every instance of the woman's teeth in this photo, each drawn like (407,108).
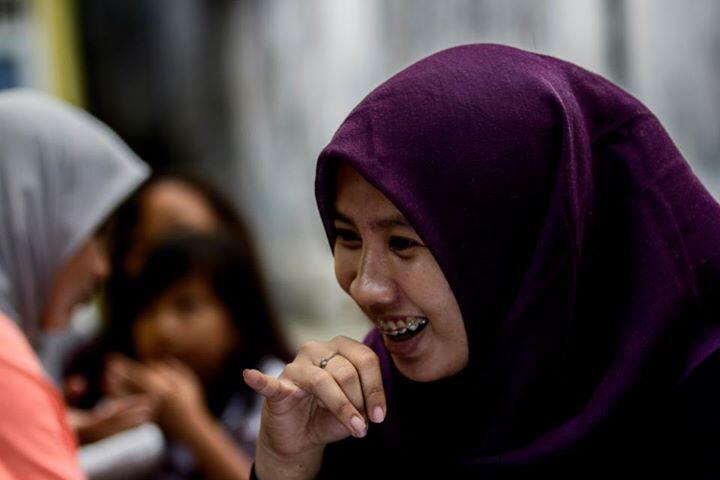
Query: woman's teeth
(407,327)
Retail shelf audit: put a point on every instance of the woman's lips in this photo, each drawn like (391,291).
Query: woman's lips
(401,328)
(407,344)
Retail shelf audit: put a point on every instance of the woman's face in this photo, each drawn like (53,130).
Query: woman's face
(393,277)
(190,323)
(75,283)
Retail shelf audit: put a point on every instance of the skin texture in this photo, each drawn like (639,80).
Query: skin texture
(384,266)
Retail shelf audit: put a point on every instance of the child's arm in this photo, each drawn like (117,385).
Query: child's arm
(217,455)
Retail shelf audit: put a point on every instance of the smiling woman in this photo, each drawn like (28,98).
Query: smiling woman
(393,277)
(558,261)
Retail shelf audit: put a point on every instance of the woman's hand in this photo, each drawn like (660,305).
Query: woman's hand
(110,417)
(308,407)
(174,390)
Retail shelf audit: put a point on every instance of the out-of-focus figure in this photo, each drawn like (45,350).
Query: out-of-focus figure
(167,202)
(61,175)
(186,313)
(197,320)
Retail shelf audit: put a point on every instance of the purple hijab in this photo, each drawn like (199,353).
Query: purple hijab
(582,250)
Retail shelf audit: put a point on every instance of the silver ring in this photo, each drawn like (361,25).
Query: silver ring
(324,360)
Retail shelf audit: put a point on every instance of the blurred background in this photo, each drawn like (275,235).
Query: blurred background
(247,92)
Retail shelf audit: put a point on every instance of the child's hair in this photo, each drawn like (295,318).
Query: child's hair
(229,270)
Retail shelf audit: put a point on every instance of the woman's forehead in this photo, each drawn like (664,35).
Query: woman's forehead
(357,201)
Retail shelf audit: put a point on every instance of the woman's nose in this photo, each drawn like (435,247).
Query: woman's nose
(373,285)
(102,267)
(101,262)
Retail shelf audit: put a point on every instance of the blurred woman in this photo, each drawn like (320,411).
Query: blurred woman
(61,174)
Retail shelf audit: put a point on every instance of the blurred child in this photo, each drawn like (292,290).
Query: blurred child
(168,201)
(197,319)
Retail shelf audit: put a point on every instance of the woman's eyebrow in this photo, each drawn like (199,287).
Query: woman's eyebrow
(391,221)
(339,216)
(396,220)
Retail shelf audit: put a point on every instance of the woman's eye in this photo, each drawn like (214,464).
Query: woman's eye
(402,244)
(347,236)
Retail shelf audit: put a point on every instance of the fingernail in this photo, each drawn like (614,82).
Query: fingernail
(358,425)
(378,414)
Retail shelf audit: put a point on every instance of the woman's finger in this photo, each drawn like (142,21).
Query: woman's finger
(310,352)
(347,377)
(325,389)
(367,364)
(281,394)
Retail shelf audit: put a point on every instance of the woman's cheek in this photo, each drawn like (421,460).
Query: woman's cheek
(343,269)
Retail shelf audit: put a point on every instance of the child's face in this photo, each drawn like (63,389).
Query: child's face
(187,322)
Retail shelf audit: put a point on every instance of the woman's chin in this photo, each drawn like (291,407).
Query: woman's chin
(427,364)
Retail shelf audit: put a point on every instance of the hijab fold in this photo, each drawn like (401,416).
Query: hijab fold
(61,174)
(582,250)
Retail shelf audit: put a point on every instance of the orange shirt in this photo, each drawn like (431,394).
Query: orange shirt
(35,440)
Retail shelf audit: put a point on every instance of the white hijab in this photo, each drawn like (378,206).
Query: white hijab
(61,174)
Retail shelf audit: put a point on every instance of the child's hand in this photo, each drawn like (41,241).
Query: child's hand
(110,417)
(173,388)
